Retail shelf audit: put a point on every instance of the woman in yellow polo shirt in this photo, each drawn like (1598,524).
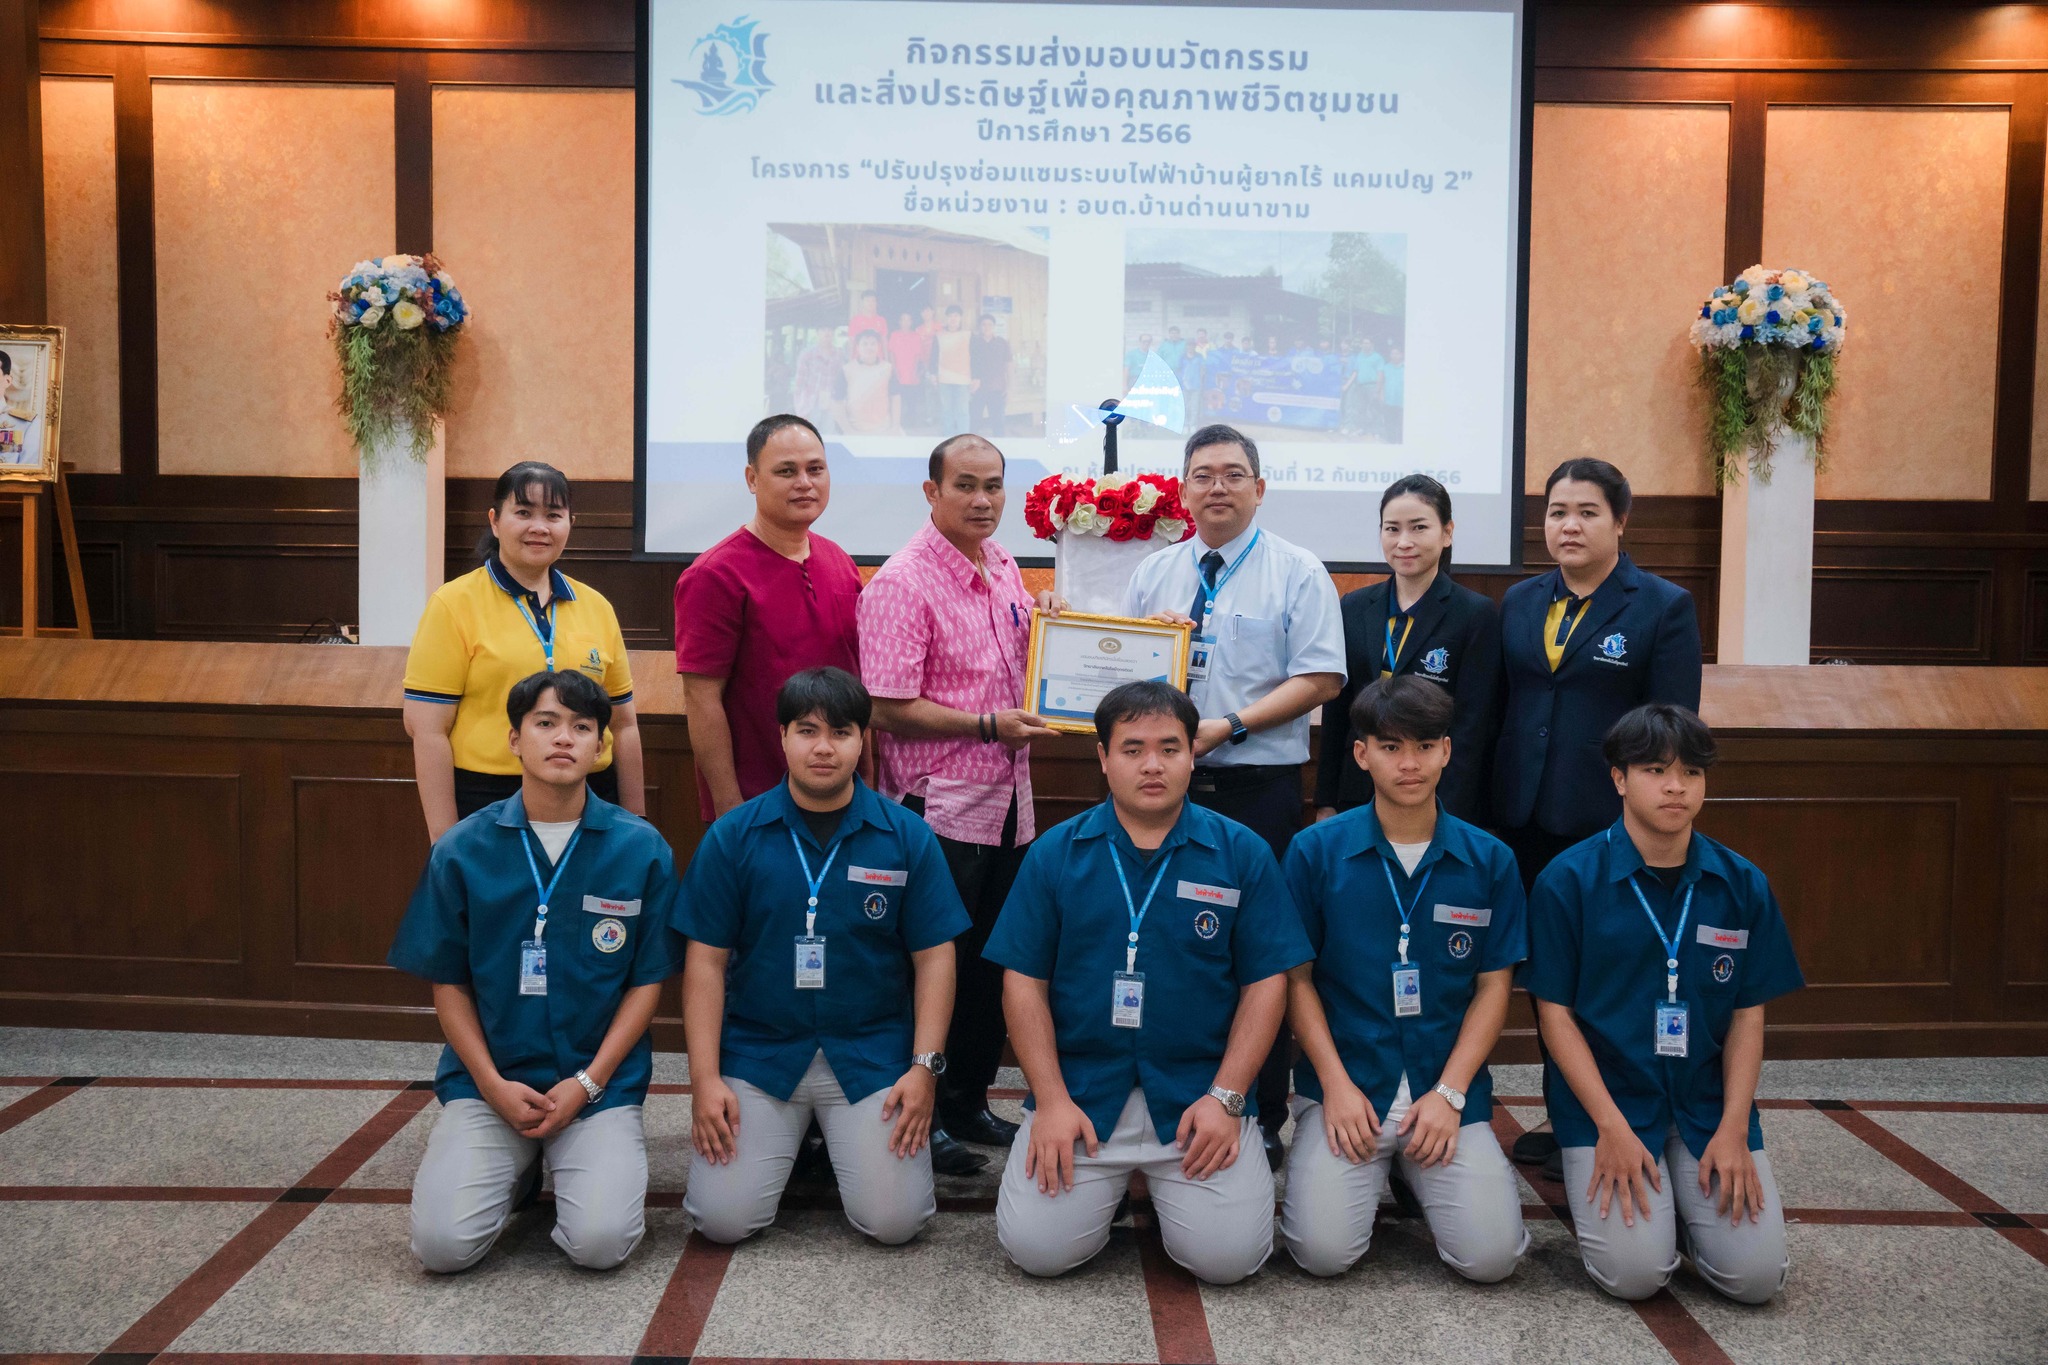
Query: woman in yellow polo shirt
(514,616)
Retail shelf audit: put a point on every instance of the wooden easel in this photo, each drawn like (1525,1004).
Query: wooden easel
(31,496)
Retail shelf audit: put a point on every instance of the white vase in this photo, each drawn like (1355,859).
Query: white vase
(1766,607)
(1093,573)
(401,535)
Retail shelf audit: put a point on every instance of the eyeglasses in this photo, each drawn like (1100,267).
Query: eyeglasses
(1232,479)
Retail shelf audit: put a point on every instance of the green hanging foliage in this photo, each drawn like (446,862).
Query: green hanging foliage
(1768,345)
(394,327)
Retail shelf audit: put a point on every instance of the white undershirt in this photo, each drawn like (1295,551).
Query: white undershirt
(554,835)
(1410,855)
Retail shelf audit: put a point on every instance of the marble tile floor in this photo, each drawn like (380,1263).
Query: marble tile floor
(209,1200)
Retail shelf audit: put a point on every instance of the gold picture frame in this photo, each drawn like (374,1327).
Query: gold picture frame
(31,403)
(1091,654)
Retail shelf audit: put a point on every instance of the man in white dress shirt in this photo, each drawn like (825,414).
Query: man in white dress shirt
(1268,650)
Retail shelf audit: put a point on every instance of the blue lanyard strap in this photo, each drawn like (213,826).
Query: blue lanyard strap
(817,882)
(1137,912)
(1672,943)
(547,641)
(546,892)
(1209,591)
(1408,910)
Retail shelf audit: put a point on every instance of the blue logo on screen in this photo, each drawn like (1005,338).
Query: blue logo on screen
(734,73)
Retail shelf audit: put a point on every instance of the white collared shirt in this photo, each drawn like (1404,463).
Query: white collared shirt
(1276,618)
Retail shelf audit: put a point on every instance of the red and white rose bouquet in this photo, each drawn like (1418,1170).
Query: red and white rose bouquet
(1118,507)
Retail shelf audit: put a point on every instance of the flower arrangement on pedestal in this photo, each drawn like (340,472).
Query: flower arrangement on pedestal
(1767,347)
(394,326)
(1118,507)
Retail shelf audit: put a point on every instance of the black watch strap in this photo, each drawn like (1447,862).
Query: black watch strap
(1238,733)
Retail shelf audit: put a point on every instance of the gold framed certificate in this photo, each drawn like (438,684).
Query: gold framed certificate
(1076,658)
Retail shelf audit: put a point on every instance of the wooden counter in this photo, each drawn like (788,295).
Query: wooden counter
(223,836)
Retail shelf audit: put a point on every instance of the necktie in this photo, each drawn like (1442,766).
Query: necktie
(1212,564)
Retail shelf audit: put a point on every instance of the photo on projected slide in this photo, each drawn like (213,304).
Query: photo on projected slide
(1284,335)
(881,330)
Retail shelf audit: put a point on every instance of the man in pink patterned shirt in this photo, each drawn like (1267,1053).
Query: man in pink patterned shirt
(943,630)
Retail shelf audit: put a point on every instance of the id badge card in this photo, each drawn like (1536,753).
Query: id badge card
(810,962)
(1674,1028)
(1199,647)
(1127,1000)
(1407,991)
(533,967)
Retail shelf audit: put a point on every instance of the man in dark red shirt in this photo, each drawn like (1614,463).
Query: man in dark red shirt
(768,601)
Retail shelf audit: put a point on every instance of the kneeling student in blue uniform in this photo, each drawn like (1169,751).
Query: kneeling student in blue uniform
(1417,921)
(818,982)
(1140,1032)
(1652,952)
(542,922)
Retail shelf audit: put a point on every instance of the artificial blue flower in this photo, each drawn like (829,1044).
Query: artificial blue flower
(1706,310)
(1772,317)
(1813,323)
(1748,333)
(1740,286)
(1775,292)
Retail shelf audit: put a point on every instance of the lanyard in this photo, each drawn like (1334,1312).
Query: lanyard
(1209,590)
(547,641)
(1408,910)
(1394,650)
(811,912)
(547,893)
(1137,912)
(1670,944)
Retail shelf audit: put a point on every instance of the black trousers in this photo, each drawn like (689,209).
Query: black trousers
(475,790)
(1266,800)
(983,874)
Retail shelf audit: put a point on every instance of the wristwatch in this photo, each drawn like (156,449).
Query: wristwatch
(934,1062)
(1238,732)
(1231,1100)
(590,1087)
(1456,1098)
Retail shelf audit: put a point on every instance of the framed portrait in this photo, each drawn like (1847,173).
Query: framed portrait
(31,402)
(1076,658)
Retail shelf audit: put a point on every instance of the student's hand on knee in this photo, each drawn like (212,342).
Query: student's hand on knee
(1728,1154)
(1622,1167)
(565,1102)
(714,1120)
(909,1104)
(1432,1131)
(1349,1124)
(521,1106)
(1050,1158)
(1209,1137)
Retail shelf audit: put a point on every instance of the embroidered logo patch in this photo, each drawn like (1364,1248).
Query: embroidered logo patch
(609,935)
(1461,944)
(876,905)
(1615,646)
(1437,660)
(1724,968)
(1206,923)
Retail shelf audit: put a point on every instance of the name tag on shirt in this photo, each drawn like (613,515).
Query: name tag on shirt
(598,905)
(1723,938)
(1471,917)
(1674,1028)
(1407,991)
(1208,895)
(1127,1000)
(1198,659)
(810,962)
(877,876)
(533,967)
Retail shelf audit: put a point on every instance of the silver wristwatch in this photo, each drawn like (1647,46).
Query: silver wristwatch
(590,1087)
(934,1062)
(1456,1098)
(1231,1100)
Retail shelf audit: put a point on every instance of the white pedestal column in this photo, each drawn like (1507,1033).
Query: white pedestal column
(1767,561)
(401,534)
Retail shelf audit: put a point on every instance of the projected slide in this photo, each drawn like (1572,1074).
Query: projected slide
(906,220)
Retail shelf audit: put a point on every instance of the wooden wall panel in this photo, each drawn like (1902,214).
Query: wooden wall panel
(90,858)
(252,591)
(2026,891)
(1863,613)
(359,845)
(82,265)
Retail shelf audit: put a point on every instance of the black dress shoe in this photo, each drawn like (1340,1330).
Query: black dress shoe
(979,1125)
(1275,1152)
(1404,1197)
(813,1162)
(1553,1166)
(529,1187)
(1533,1149)
(951,1157)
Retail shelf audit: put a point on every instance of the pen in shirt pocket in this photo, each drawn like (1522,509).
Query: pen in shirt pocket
(1015,620)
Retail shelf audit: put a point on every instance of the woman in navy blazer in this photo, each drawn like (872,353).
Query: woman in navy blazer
(1583,645)
(1417,623)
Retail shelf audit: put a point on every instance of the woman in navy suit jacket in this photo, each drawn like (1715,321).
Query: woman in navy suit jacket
(1583,645)
(1422,624)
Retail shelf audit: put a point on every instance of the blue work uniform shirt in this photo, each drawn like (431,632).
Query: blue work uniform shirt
(886,895)
(1470,918)
(607,932)
(1592,950)
(1221,920)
